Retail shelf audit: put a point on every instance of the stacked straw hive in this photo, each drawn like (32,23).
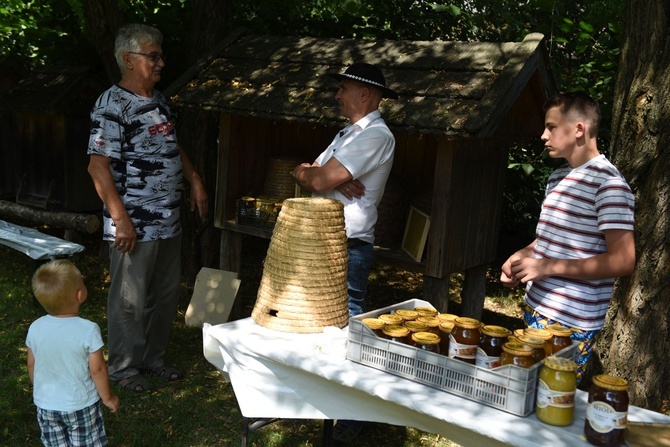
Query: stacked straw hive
(304,284)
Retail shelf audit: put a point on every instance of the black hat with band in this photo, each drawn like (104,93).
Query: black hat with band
(367,74)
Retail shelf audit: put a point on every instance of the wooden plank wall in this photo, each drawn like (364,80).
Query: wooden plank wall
(466,206)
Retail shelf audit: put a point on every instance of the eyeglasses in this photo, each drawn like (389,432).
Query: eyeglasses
(153,57)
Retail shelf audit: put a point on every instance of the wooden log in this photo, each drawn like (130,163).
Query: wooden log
(87,223)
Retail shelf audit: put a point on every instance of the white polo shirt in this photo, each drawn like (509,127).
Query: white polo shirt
(365,148)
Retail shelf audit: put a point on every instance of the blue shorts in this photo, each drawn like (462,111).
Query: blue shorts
(80,428)
(586,339)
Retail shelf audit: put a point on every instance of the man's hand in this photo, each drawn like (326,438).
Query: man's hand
(199,198)
(126,237)
(352,189)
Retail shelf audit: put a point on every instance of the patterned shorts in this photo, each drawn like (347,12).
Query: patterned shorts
(586,339)
(72,428)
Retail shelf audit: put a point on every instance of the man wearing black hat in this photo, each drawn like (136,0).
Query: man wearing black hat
(354,169)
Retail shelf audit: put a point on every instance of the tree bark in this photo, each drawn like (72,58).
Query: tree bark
(103,20)
(636,338)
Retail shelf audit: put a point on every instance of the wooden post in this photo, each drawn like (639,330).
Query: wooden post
(474,292)
(230,259)
(436,292)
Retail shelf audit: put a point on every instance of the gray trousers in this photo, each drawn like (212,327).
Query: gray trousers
(142,304)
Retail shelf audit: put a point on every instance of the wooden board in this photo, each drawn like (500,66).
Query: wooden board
(213,297)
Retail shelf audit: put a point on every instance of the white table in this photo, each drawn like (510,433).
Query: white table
(293,376)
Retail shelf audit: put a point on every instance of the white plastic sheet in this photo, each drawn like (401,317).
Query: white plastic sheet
(35,244)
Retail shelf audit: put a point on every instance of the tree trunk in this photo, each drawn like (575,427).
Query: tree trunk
(103,20)
(198,133)
(636,338)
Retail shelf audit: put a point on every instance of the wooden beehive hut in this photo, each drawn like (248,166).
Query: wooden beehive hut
(462,105)
(44,128)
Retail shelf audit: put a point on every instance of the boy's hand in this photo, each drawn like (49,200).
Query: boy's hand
(112,403)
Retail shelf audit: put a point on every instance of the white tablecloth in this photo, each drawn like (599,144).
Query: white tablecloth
(285,375)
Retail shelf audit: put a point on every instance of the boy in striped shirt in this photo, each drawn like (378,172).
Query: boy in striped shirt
(584,237)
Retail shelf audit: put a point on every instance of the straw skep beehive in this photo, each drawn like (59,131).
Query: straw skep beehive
(278,179)
(304,284)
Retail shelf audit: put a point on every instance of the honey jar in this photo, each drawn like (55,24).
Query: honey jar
(415,326)
(607,411)
(375,325)
(445,334)
(544,335)
(406,314)
(425,311)
(433,324)
(561,337)
(555,404)
(464,339)
(490,346)
(391,319)
(426,341)
(537,344)
(397,333)
(517,354)
(446,317)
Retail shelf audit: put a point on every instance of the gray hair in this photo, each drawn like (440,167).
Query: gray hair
(130,38)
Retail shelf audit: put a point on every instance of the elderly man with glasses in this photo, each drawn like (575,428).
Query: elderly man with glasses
(138,170)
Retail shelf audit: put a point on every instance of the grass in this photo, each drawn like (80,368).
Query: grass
(201,410)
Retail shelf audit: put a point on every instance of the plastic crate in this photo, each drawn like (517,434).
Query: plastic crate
(262,214)
(509,388)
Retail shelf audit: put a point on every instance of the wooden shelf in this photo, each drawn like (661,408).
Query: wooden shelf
(394,257)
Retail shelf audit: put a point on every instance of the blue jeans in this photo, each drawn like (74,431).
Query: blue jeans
(360,261)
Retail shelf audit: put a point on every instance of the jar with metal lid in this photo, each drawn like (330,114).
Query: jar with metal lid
(538,345)
(415,326)
(446,317)
(375,325)
(425,311)
(490,346)
(391,319)
(544,335)
(607,411)
(432,322)
(445,333)
(426,341)
(464,339)
(407,314)
(517,354)
(555,403)
(397,333)
(561,337)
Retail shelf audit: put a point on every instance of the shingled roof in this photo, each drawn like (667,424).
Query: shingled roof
(56,90)
(449,88)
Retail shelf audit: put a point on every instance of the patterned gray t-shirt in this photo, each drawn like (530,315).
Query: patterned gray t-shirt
(137,134)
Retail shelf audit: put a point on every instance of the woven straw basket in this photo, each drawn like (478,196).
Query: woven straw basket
(278,179)
(304,283)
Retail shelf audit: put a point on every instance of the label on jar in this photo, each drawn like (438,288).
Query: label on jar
(457,349)
(486,361)
(603,418)
(547,397)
